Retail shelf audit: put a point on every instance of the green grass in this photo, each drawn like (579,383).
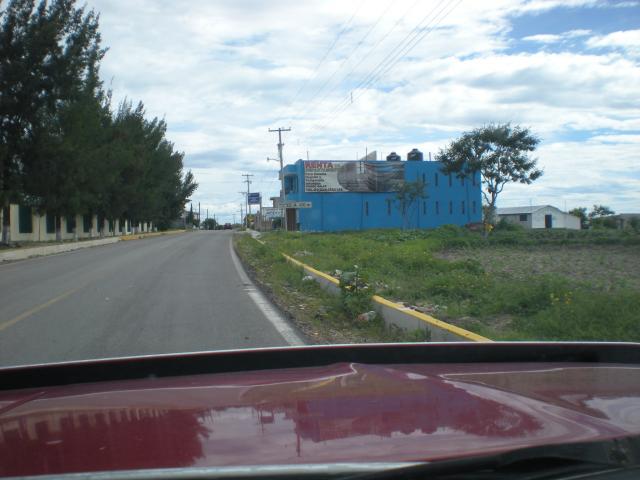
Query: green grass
(516,284)
(322,316)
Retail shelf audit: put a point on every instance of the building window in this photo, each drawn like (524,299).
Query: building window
(462,207)
(86,223)
(50,221)
(388,207)
(523,217)
(435,179)
(473,205)
(71,223)
(437,208)
(25,222)
(366,208)
(424,208)
(450,206)
(291,184)
(450,180)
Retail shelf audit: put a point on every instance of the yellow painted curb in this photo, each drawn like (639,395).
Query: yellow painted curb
(433,321)
(312,270)
(461,332)
(139,236)
(387,303)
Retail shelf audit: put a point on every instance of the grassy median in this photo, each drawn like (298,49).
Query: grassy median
(323,317)
(516,284)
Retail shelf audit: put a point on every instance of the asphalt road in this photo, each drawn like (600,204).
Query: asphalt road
(174,293)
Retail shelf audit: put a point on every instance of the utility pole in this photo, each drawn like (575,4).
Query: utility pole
(248,182)
(282,195)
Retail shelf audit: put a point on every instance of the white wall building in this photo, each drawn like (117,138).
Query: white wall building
(26,225)
(539,216)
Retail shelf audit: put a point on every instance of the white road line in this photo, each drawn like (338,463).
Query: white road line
(276,319)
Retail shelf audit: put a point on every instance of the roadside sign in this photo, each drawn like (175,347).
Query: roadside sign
(269,213)
(253,198)
(296,204)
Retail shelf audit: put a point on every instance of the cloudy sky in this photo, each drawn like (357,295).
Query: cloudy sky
(352,76)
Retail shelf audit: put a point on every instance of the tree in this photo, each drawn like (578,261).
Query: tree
(581,213)
(62,149)
(209,224)
(598,217)
(406,197)
(600,211)
(48,54)
(499,153)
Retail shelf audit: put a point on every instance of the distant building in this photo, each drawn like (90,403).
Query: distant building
(539,216)
(624,220)
(362,194)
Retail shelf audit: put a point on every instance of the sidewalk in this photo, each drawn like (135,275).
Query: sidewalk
(27,251)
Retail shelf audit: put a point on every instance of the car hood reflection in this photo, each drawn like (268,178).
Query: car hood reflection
(339,413)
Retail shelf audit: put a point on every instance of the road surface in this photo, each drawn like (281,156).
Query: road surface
(174,293)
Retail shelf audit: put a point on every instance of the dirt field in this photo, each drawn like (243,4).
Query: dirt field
(605,267)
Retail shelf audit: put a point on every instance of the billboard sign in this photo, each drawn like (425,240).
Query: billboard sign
(352,176)
(254,198)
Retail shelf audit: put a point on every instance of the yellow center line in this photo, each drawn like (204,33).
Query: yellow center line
(30,312)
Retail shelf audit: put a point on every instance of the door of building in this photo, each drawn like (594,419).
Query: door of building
(548,221)
(292,225)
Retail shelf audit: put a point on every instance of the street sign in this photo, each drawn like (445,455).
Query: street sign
(296,204)
(253,198)
(269,213)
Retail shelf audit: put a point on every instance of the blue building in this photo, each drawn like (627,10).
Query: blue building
(361,195)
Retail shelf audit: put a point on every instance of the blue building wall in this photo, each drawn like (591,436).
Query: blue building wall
(449,200)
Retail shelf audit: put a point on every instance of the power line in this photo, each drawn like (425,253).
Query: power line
(373,75)
(372,49)
(310,102)
(340,107)
(324,57)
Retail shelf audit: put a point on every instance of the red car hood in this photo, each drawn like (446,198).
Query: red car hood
(343,412)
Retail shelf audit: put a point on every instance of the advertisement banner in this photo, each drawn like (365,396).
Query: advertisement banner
(352,176)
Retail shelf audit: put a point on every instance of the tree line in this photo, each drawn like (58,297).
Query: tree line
(64,148)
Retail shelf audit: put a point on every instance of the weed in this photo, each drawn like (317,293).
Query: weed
(555,284)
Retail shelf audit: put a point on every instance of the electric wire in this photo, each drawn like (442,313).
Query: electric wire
(389,66)
(312,101)
(393,54)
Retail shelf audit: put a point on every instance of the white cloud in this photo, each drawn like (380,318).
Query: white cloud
(582,174)
(222,73)
(628,40)
(554,38)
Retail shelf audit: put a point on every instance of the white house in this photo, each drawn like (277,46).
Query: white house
(539,216)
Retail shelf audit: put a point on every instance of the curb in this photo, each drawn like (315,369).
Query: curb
(140,236)
(29,252)
(400,316)
(24,253)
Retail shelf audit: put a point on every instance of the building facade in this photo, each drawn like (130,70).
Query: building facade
(539,216)
(26,225)
(361,195)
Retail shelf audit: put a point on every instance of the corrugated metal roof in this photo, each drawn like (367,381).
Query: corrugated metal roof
(518,210)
